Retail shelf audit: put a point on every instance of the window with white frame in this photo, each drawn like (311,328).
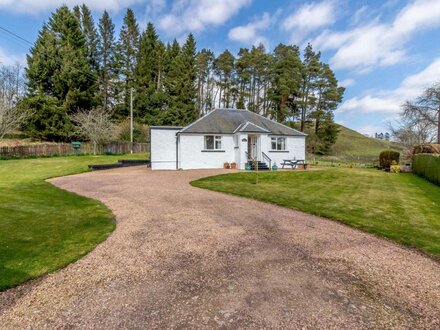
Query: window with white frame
(213,142)
(278,143)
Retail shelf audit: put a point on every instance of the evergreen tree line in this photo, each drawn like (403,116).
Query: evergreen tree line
(77,65)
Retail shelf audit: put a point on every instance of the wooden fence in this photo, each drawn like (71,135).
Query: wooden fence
(37,150)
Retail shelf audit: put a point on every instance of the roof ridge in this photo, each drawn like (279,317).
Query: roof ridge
(239,127)
(258,126)
(302,133)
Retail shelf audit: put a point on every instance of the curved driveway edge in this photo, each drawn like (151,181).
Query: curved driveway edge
(183,257)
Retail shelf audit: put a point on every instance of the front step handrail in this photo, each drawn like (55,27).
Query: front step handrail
(268,159)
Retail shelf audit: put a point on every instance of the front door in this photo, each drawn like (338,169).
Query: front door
(252,147)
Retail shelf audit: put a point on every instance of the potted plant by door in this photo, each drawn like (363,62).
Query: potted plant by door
(233,166)
(226,165)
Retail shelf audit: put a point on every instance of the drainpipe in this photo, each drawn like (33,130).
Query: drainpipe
(177,150)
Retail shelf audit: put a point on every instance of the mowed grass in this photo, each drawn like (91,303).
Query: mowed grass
(43,228)
(401,207)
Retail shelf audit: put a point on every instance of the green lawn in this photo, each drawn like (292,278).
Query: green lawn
(43,228)
(402,207)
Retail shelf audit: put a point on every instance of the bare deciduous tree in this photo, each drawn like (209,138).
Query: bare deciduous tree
(10,118)
(420,119)
(410,132)
(11,84)
(11,89)
(95,125)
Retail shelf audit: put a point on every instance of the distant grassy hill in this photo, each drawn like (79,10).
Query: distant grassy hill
(353,146)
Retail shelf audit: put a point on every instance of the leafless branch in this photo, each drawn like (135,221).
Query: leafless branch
(419,121)
(96,125)
(11,118)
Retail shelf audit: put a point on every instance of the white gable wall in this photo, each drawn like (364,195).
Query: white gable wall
(163,148)
(295,148)
(193,156)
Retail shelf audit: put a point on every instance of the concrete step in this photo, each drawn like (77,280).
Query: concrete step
(134,162)
(98,167)
(120,163)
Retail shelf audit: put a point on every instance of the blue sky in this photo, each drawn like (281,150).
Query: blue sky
(383,52)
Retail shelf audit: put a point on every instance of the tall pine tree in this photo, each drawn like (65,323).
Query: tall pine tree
(328,97)
(286,82)
(181,86)
(107,60)
(59,70)
(224,68)
(90,34)
(205,81)
(127,49)
(148,77)
(310,73)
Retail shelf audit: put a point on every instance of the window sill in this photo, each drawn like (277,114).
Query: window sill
(213,150)
(285,151)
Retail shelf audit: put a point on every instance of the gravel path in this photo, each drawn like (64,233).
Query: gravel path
(183,257)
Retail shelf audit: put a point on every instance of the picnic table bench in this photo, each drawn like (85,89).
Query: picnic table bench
(294,163)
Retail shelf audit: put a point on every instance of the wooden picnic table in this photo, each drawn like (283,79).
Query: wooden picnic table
(294,163)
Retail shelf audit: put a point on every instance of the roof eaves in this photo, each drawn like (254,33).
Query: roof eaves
(166,127)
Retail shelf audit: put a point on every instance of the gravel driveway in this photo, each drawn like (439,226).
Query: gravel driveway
(182,257)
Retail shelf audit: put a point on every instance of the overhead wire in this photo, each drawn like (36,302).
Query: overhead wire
(20,39)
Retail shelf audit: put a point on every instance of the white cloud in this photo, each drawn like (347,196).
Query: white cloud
(250,33)
(38,6)
(11,59)
(370,130)
(196,15)
(347,82)
(359,15)
(379,44)
(154,7)
(309,17)
(390,101)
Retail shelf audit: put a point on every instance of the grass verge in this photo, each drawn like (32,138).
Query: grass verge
(401,207)
(42,227)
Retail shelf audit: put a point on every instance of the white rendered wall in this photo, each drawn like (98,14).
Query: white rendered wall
(163,149)
(295,148)
(243,150)
(192,153)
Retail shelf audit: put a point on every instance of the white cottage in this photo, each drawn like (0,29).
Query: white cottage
(225,135)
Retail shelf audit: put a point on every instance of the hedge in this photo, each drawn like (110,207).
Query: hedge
(427,166)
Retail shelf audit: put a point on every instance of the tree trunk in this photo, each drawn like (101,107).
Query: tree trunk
(105,93)
(302,120)
(94,148)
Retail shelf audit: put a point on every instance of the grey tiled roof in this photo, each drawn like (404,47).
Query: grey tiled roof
(227,121)
(251,128)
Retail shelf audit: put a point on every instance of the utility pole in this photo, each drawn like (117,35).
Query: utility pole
(131,120)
